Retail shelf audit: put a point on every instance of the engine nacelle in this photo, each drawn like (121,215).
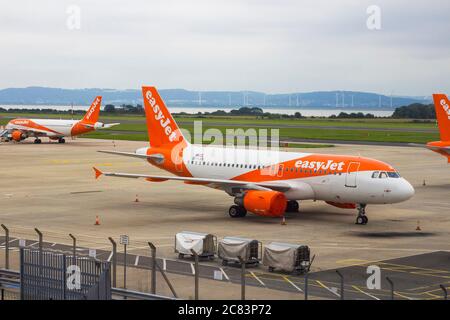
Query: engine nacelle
(264,203)
(18,135)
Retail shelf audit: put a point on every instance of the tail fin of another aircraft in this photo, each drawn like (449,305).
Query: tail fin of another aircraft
(442,106)
(91,116)
(162,128)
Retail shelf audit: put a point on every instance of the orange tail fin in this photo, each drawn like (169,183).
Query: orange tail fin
(162,128)
(93,112)
(442,106)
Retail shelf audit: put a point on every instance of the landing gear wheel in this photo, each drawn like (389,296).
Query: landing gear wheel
(37,140)
(237,211)
(362,218)
(61,140)
(292,206)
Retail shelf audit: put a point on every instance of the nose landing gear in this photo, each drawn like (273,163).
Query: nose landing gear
(37,140)
(361,218)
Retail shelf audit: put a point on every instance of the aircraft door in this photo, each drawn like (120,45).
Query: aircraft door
(352,174)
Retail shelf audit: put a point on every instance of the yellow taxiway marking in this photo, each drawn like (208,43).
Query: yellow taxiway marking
(292,283)
(257,279)
(367,294)
(398,268)
(402,296)
(325,287)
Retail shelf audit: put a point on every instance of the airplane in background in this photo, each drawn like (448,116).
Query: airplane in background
(442,107)
(264,182)
(55,129)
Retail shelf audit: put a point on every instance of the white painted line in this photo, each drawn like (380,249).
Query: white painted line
(293,284)
(2,244)
(164,264)
(367,294)
(110,256)
(258,279)
(325,287)
(192,268)
(53,244)
(136,262)
(11,241)
(224,274)
(33,244)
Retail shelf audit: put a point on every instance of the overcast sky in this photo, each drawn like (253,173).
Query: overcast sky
(265,45)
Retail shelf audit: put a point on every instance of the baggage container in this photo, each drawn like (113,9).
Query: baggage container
(204,244)
(230,248)
(287,257)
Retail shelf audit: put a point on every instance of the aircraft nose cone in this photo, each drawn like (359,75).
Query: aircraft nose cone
(406,190)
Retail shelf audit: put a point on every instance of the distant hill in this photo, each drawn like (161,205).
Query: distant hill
(224,99)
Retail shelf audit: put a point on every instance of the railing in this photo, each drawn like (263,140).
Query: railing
(10,278)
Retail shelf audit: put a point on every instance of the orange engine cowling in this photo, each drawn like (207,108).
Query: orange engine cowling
(265,203)
(17,135)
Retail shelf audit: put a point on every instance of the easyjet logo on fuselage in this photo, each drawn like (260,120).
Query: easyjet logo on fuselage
(160,117)
(21,122)
(320,165)
(444,105)
(92,109)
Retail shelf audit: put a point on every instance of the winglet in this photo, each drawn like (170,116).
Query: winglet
(98,173)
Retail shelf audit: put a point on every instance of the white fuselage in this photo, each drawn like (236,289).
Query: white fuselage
(322,177)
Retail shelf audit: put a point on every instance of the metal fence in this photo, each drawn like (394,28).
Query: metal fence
(46,275)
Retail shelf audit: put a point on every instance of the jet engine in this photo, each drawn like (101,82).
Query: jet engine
(263,203)
(18,135)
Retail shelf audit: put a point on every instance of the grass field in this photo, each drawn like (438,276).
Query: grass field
(133,127)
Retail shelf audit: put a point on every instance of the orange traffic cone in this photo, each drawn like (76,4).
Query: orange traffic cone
(97,221)
(137,199)
(418,226)
(283,222)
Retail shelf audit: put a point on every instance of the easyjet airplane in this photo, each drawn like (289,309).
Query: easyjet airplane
(55,129)
(442,107)
(264,182)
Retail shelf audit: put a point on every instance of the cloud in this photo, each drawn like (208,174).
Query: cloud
(266,45)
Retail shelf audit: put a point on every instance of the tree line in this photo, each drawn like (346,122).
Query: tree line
(413,111)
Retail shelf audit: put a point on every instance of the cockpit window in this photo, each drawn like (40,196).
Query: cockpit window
(383,175)
(393,175)
(375,174)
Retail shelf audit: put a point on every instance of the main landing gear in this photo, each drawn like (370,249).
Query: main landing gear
(37,140)
(61,140)
(237,211)
(292,206)
(361,218)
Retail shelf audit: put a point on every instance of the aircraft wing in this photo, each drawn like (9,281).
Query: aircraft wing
(134,155)
(440,149)
(278,186)
(444,149)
